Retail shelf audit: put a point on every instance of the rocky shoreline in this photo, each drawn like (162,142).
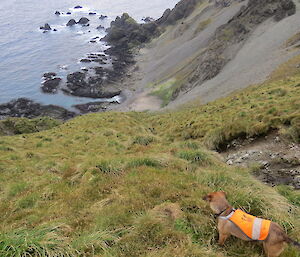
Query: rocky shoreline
(26,108)
(104,80)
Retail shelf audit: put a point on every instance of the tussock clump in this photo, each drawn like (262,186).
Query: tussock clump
(143,140)
(198,157)
(111,167)
(44,242)
(150,162)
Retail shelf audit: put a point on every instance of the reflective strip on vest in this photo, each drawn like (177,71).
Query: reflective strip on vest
(253,227)
(257,223)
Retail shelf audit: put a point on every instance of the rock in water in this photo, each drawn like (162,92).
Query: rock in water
(79,84)
(83,21)
(57,13)
(50,85)
(100,27)
(49,75)
(46,27)
(102,17)
(71,22)
(92,107)
(23,107)
(92,13)
(78,7)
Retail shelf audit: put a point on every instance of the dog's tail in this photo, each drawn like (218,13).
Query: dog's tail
(292,242)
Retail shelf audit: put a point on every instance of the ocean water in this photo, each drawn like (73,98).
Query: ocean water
(26,53)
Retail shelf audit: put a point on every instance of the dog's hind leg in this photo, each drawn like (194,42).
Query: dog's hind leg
(273,250)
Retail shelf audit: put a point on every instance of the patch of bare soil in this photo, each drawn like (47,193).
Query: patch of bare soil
(273,159)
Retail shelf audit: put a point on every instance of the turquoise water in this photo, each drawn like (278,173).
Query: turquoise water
(26,53)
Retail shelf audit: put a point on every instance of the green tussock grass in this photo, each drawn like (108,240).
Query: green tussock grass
(14,126)
(93,185)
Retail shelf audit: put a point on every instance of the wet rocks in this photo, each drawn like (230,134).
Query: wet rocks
(80,84)
(102,17)
(85,60)
(100,27)
(46,27)
(71,22)
(23,107)
(49,75)
(92,107)
(83,21)
(51,85)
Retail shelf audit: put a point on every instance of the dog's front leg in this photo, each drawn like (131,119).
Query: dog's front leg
(222,238)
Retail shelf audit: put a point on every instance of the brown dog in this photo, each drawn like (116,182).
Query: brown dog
(273,243)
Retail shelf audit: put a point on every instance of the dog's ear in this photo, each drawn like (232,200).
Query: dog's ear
(207,198)
(224,193)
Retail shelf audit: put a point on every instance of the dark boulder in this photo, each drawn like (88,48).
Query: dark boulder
(78,7)
(23,107)
(85,60)
(92,13)
(92,107)
(50,86)
(102,17)
(71,22)
(79,84)
(49,75)
(83,21)
(68,13)
(57,13)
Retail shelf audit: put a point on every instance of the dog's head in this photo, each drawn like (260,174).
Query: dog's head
(216,200)
(214,196)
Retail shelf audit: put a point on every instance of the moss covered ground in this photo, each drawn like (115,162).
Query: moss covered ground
(131,184)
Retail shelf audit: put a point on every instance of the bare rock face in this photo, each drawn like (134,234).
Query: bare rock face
(182,10)
(210,63)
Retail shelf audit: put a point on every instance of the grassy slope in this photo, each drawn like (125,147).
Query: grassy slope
(88,187)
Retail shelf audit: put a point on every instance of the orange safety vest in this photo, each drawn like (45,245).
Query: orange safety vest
(253,227)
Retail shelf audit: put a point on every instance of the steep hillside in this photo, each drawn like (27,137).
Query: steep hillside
(222,46)
(131,184)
